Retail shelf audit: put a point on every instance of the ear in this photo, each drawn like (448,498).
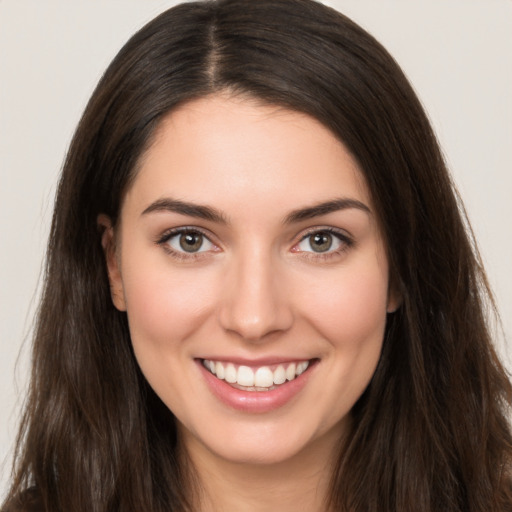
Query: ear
(394,298)
(108,242)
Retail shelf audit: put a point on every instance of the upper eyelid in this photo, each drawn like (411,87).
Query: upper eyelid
(164,241)
(330,229)
(169,233)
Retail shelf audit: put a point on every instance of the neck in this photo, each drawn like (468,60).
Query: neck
(301,482)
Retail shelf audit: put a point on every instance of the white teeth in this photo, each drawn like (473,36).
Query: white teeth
(219,371)
(245,376)
(262,377)
(230,374)
(290,372)
(279,375)
(301,367)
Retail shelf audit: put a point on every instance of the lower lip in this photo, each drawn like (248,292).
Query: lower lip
(256,401)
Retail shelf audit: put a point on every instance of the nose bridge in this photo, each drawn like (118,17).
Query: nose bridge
(254,302)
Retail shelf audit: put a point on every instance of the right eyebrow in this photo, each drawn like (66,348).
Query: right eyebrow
(199,211)
(325,208)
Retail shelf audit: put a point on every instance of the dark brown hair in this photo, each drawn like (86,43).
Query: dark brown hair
(430,433)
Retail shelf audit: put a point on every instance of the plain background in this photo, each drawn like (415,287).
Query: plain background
(457,53)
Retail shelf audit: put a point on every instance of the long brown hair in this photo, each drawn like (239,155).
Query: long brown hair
(430,433)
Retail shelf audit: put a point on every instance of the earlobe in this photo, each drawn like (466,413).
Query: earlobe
(393,306)
(108,243)
(394,300)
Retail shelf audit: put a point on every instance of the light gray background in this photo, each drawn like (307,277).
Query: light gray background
(457,53)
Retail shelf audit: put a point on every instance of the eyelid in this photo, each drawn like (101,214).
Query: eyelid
(345,238)
(341,233)
(168,234)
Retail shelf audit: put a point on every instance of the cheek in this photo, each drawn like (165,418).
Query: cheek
(165,309)
(350,315)
(166,306)
(349,307)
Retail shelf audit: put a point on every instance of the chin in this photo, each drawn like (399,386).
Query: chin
(267,443)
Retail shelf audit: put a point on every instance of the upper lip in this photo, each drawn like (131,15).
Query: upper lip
(260,361)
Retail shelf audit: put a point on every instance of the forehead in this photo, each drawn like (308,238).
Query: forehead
(221,147)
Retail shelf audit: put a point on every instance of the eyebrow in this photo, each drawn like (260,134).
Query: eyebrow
(190,209)
(325,208)
(211,214)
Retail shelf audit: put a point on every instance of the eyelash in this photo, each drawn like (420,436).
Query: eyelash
(164,239)
(346,243)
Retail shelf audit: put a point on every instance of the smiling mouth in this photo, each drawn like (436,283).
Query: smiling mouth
(262,378)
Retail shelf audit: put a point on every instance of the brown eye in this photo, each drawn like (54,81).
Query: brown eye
(320,242)
(191,242)
(188,241)
(323,242)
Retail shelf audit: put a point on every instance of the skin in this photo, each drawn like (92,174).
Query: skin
(256,288)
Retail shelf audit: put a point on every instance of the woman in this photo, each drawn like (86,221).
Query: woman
(260,291)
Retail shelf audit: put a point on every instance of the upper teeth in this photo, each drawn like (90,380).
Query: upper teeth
(261,377)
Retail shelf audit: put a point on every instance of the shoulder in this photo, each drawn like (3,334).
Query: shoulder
(27,501)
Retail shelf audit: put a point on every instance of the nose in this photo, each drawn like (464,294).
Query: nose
(255,302)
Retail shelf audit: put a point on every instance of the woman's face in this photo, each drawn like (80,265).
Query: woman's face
(249,261)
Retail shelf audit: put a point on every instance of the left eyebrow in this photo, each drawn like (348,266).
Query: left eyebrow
(184,208)
(324,208)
